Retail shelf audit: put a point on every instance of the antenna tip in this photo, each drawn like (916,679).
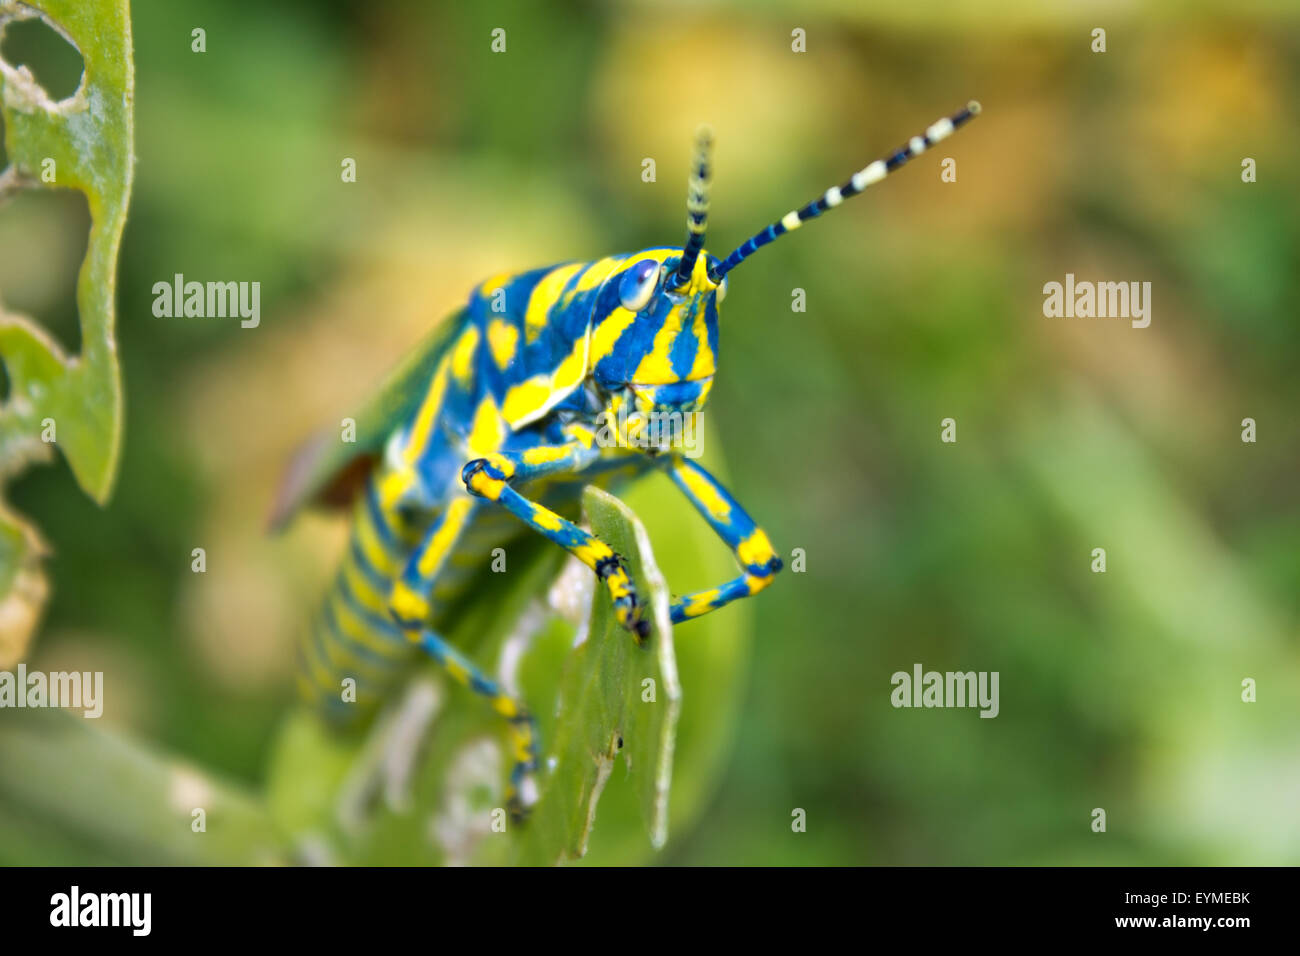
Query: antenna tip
(973,107)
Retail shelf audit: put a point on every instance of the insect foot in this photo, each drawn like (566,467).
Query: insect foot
(628,608)
(521,795)
(485,477)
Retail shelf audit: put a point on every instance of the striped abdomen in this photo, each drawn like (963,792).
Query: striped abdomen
(352,634)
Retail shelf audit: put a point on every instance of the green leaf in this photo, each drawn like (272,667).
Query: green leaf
(712,655)
(604,714)
(68,782)
(88,136)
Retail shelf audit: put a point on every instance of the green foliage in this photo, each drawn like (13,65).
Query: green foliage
(88,139)
(71,789)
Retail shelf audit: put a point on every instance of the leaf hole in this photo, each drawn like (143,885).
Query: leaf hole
(44,234)
(53,60)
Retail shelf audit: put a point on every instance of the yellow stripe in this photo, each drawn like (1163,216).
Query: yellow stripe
(572,369)
(489,286)
(359,585)
(488,430)
(425,421)
(409,606)
(545,454)
(392,487)
(583,434)
(592,552)
(453,520)
(462,356)
(607,333)
(534,396)
(354,626)
(595,274)
(523,744)
(547,520)
(704,364)
(703,398)
(526,397)
(544,296)
(354,665)
(368,540)
(704,491)
(700,603)
(481,483)
(656,367)
(503,339)
(457,671)
(756,550)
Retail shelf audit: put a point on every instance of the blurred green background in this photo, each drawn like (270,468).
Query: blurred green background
(924,301)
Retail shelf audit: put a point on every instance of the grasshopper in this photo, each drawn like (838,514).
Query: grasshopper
(544,382)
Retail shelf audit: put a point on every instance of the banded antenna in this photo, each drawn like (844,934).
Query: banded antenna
(856,183)
(698,186)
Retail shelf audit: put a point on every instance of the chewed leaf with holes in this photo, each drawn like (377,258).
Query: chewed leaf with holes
(73,402)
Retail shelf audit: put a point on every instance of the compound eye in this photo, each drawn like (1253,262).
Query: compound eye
(722,291)
(638,285)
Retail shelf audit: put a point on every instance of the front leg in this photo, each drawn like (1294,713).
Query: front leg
(749,542)
(490,478)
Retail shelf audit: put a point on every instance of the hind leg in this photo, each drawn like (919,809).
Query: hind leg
(521,792)
(409,604)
